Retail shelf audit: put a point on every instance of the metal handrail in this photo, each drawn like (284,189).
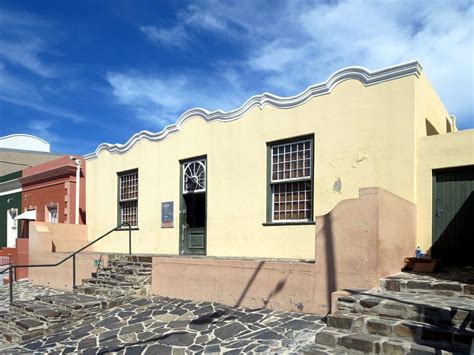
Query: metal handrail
(11,268)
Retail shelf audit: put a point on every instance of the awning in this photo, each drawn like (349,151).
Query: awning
(28,215)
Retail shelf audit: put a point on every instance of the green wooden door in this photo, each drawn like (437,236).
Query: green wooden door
(453,216)
(193,207)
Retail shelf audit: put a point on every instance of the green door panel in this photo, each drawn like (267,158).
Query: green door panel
(195,241)
(453,216)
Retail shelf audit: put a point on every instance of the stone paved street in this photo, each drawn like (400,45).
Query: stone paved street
(158,325)
(23,291)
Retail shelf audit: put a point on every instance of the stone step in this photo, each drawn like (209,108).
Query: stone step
(94,288)
(444,338)
(89,289)
(131,258)
(16,328)
(13,336)
(345,342)
(77,303)
(41,311)
(437,284)
(127,270)
(110,283)
(456,313)
(123,263)
(105,275)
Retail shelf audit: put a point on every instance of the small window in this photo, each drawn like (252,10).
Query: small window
(291,181)
(128,198)
(52,214)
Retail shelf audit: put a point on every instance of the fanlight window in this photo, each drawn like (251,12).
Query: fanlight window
(194,176)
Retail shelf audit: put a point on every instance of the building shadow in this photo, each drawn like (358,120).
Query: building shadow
(456,242)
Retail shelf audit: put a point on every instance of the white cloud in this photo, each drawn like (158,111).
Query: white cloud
(150,97)
(43,129)
(286,47)
(21,43)
(161,100)
(189,20)
(376,35)
(174,36)
(195,16)
(22,93)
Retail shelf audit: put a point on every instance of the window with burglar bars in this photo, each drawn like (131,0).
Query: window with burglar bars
(291,181)
(128,198)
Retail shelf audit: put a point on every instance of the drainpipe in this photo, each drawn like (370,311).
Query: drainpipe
(78,185)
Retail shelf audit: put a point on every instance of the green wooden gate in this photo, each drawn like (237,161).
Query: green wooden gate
(453,216)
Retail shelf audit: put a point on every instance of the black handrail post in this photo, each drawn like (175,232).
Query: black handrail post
(129,239)
(11,282)
(74,271)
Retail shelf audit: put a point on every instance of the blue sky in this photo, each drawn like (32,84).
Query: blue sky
(79,73)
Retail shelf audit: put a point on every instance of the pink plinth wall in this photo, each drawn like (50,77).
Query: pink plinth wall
(50,243)
(247,283)
(358,242)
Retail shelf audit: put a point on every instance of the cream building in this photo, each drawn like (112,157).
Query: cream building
(251,183)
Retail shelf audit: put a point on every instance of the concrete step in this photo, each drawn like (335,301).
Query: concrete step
(441,283)
(344,342)
(444,338)
(437,310)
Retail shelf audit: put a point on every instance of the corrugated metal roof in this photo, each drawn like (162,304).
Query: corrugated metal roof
(24,142)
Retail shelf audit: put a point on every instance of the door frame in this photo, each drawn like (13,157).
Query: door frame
(182,204)
(12,228)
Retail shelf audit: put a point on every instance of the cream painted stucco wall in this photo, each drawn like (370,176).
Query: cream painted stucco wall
(437,152)
(363,136)
(430,108)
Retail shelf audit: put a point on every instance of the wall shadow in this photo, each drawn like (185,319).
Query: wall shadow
(331,281)
(249,283)
(278,288)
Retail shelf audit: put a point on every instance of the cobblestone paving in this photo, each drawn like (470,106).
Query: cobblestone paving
(158,325)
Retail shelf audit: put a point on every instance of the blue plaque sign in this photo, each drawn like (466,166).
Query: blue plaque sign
(167,214)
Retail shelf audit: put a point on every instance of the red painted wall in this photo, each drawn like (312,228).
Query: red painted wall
(19,256)
(54,183)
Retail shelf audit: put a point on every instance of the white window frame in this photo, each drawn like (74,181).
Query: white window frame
(202,163)
(48,210)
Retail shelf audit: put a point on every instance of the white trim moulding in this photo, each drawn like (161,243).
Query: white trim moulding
(365,76)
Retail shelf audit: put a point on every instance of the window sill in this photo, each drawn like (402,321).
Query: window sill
(305,223)
(126,229)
